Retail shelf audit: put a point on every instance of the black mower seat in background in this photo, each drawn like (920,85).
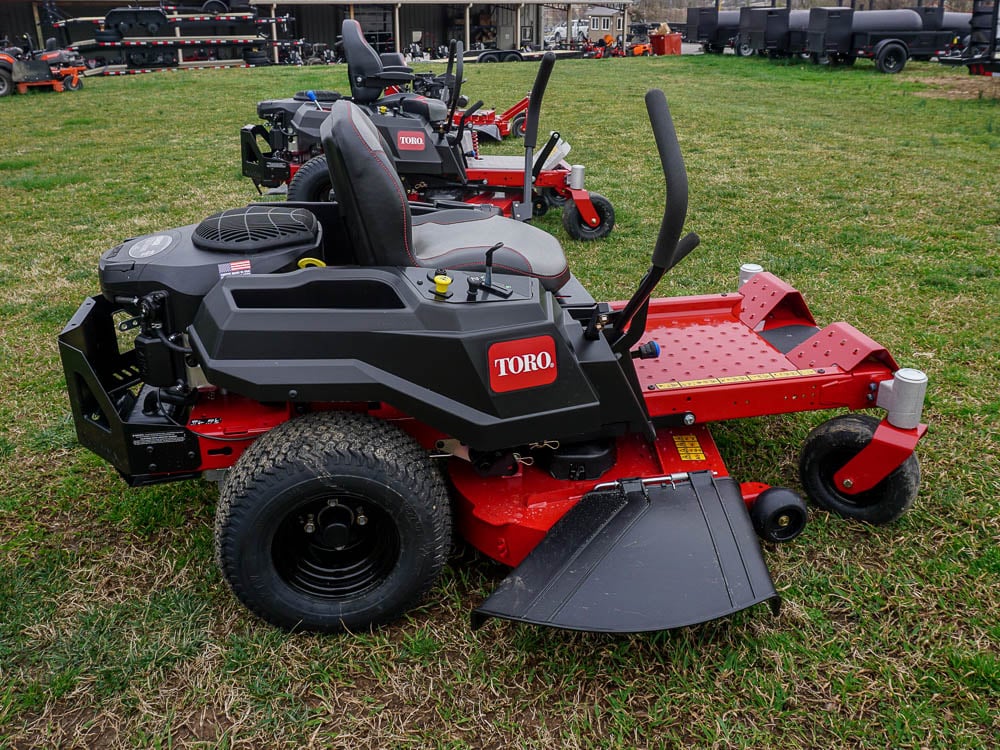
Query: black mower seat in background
(366,66)
(384,233)
(365,71)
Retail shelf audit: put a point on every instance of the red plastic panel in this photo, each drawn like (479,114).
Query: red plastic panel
(226,425)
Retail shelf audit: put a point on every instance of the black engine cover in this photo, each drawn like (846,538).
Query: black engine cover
(187,262)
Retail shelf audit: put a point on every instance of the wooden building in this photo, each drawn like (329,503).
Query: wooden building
(394,25)
(430,22)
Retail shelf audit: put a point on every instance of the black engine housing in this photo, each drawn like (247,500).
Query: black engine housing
(188,261)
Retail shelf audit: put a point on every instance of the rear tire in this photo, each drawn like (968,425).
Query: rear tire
(511,57)
(828,449)
(333,521)
(743,49)
(891,59)
(492,57)
(578,229)
(6,83)
(312,182)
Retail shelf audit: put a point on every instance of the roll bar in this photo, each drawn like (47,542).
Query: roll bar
(524,209)
(456,52)
(535,100)
(669,249)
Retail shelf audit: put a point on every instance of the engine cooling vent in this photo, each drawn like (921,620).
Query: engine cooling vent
(254,229)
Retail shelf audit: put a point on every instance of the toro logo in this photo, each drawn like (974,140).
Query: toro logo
(522,363)
(410,140)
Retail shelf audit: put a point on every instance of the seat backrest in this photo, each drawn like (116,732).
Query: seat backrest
(363,63)
(372,199)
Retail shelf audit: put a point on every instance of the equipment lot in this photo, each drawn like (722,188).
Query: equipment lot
(877,199)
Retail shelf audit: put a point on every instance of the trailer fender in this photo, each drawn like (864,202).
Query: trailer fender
(886,42)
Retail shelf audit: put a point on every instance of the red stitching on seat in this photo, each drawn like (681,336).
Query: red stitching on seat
(395,183)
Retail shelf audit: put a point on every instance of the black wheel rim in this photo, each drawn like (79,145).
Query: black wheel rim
(598,230)
(785,524)
(335,545)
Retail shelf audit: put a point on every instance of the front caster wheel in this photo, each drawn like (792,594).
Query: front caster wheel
(333,521)
(578,229)
(519,125)
(828,449)
(778,515)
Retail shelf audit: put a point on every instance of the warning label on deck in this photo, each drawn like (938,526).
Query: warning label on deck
(757,376)
(688,448)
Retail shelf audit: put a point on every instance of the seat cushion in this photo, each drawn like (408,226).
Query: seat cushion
(459,239)
(431,110)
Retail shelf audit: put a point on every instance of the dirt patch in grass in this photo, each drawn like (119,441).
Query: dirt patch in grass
(971,87)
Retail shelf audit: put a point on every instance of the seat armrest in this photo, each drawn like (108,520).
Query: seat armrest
(386,77)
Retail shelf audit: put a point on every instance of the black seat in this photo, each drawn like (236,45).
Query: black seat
(369,73)
(379,222)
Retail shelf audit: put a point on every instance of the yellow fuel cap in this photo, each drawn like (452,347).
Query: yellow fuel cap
(441,284)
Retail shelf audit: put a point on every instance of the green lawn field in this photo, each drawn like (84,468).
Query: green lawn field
(877,196)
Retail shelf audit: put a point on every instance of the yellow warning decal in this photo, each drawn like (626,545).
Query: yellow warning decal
(688,448)
(697,383)
(735,379)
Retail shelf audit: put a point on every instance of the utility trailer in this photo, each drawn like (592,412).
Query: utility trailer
(889,37)
(128,39)
(980,51)
(712,28)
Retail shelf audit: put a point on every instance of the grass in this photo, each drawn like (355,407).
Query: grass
(877,196)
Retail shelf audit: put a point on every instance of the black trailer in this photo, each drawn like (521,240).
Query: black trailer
(980,50)
(135,39)
(777,32)
(712,28)
(889,37)
(741,44)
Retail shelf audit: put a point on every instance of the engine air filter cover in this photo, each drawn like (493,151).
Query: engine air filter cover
(254,229)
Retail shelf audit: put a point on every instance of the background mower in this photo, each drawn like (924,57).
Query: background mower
(364,377)
(435,159)
(487,123)
(24,67)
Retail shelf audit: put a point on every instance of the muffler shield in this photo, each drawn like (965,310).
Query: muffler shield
(638,558)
